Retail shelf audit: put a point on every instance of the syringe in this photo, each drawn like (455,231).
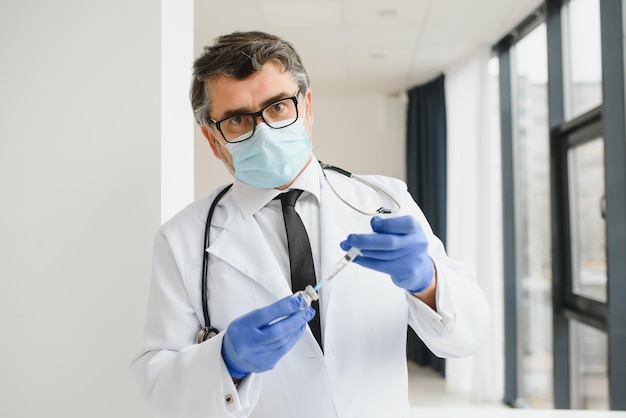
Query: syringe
(339,265)
(309,294)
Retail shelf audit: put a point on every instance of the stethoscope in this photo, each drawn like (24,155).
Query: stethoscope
(208,331)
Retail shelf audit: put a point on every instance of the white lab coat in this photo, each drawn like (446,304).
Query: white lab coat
(362,372)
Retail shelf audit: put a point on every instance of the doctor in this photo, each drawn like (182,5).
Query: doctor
(251,97)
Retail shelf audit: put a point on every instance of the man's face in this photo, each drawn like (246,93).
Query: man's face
(249,95)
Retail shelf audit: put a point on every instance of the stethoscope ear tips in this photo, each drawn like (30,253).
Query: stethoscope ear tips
(206,334)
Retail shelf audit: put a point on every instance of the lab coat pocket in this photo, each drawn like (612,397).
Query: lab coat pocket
(229,293)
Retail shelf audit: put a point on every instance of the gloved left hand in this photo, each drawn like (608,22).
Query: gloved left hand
(256,341)
(399,248)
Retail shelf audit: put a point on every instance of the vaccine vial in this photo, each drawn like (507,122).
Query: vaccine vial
(308,296)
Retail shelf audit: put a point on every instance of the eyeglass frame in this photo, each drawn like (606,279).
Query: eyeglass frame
(256,115)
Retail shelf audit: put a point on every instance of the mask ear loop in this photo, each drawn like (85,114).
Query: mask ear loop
(378,211)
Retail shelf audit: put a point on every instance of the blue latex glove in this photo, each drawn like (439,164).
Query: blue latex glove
(252,344)
(398,248)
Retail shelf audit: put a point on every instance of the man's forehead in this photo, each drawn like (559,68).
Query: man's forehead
(228,93)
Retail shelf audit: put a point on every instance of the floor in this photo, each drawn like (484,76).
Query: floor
(427,389)
(430,399)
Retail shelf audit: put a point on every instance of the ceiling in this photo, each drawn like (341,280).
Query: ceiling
(387,46)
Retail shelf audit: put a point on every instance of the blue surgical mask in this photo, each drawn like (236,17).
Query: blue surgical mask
(271,157)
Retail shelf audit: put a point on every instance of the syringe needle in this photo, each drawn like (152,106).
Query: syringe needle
(339,265)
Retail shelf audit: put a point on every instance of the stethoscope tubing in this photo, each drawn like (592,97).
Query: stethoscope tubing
(208,331)
(348,174)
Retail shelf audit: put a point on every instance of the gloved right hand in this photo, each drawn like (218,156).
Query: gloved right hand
(255,341)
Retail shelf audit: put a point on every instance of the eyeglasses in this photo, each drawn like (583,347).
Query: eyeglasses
(276,115)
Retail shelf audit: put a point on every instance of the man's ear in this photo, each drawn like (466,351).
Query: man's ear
(208,134)
(308,101)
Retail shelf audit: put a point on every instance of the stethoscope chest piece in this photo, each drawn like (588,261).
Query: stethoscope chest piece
(205,334)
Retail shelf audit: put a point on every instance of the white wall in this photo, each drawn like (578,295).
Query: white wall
(361,133)
(177,120)
(79,177)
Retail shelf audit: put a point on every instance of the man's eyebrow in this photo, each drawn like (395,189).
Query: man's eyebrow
(246,110)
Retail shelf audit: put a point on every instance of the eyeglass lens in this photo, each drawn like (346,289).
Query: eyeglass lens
(278,115)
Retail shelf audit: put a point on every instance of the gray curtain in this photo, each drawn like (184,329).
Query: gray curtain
(426,178)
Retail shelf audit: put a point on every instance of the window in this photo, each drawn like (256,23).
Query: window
(589,366)
(581,57)
(586,219)
(565,323)
(531,175)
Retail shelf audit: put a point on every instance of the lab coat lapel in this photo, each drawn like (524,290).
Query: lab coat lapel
(242,245)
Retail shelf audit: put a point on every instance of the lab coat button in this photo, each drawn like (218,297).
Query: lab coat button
(229,399)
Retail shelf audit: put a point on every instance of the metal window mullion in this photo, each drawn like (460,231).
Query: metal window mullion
(615,172)
(508,231)
(558,175)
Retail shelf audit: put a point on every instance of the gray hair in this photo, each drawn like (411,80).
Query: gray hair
(238,55)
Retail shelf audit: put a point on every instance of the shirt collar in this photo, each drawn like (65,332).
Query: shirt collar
(251,199)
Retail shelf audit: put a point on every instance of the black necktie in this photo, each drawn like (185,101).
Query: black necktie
(300,257)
